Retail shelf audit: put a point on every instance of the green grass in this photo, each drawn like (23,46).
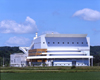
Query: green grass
(51,76)
(50,73)
(48,69)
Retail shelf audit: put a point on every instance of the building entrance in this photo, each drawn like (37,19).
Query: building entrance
(73,63)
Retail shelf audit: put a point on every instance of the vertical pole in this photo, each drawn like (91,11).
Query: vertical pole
(89,61)
(42,63)
(3,61)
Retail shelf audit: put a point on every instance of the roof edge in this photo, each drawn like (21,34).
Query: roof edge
(66,35)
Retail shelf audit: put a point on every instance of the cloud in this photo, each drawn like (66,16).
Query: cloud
(17,41)
(10,26)
(88,14)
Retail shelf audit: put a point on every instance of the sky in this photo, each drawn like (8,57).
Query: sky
(21,19)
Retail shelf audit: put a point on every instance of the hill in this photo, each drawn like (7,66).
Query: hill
(95,51)
(5,52)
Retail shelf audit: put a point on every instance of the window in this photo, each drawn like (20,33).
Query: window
(43,51)
(67,42)
(63,42)
(39,51)
(77,42)
(43,42)
(53,42)
(82,42)
(48,42)
(58,42)
(72,42)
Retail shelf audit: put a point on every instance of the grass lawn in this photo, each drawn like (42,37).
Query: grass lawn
(51,76)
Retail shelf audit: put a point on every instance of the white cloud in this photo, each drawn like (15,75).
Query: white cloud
(88,14)
(17,41)
(10,26)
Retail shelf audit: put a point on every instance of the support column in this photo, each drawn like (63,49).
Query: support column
(42,63)
(30,63)
(91,61)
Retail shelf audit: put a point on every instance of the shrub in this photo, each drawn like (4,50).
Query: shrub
(73,67)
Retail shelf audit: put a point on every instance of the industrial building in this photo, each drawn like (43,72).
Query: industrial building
(55,50)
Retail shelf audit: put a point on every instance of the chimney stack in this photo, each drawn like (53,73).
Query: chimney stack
(36,35)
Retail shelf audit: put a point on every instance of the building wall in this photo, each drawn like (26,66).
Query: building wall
(87,53)
(65,41)
(37,43)
(43,42)
(17,60)
(68,62)
(67,55)
(84,53)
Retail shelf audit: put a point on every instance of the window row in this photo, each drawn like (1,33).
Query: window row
(70,64)
(67,43)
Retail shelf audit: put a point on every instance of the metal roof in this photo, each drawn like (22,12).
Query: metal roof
(66,35)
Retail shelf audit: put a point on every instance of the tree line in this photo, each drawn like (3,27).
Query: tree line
(5,54)
(95,51)
(6,51)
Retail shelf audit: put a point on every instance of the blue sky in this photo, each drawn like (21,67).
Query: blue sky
(20,19)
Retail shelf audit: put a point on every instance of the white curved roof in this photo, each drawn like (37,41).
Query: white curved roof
(66,35)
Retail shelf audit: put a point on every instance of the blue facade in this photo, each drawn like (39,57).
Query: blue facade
(69,62)
(66,42)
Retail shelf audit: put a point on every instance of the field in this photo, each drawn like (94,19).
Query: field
(51,76)
(50,73)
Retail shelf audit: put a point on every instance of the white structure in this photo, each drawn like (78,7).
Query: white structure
(18,60)
(59,50)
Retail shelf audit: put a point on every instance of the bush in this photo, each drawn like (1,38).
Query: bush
(73,67)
